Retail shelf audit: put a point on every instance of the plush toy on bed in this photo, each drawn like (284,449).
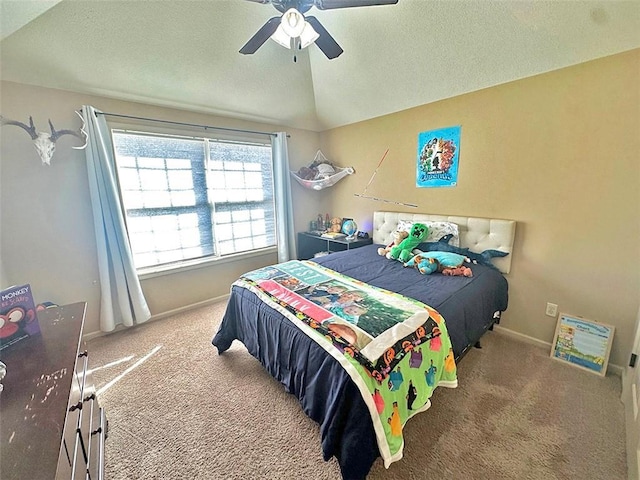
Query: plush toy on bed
(424,264)
(404,251)
(448,263)
(396,238)
(461,271)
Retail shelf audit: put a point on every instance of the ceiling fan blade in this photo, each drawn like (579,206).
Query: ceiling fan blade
(331,4)
(261,36)
(325,41)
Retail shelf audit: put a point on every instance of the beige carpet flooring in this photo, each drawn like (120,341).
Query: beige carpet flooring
(178,410)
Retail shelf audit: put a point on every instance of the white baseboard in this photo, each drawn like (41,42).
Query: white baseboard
(193,306)
(611,368)
(159,316)
(521,336)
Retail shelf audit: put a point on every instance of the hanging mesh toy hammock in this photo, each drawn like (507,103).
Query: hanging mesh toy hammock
(321,173)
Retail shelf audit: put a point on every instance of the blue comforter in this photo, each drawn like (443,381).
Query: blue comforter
(325,391)
(467,304)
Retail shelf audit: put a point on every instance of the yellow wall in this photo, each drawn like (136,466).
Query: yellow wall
(560,154)
(47,235)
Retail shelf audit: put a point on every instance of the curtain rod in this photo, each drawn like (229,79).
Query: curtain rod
(186,124)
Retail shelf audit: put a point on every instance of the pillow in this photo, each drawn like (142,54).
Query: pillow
(405,225)
(437,230)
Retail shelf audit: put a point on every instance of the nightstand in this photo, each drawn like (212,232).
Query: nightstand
(310,244)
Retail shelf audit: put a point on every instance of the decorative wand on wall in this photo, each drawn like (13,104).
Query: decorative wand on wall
(45,143)
(362,195)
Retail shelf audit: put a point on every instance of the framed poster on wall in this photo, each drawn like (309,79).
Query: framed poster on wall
(582,343)
(438,157)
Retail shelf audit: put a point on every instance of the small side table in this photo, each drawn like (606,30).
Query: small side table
(310,244)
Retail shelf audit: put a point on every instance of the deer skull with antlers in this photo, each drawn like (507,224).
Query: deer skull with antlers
(44,143)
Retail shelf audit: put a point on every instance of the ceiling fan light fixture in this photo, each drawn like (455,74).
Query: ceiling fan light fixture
(280,37)
(292,23)
(303,30)
(308,35)
(294,31)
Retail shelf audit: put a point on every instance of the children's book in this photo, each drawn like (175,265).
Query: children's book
(18,319)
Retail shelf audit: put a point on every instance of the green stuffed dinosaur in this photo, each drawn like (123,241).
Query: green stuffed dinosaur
(404,251)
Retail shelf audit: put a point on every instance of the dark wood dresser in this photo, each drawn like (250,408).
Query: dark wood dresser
(51,425)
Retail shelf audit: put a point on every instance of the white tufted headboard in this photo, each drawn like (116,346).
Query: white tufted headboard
(476,234)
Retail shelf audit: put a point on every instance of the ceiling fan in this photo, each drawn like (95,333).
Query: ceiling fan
(293,30)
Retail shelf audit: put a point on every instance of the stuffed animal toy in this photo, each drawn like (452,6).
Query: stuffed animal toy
(425,265)
(483,258)
(448,263)
(316,171)
(404,251)
(460,271)
(325,170)
(396,237)
(336,225)
(307,173)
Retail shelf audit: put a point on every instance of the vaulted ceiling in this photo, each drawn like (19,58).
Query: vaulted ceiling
(184,53)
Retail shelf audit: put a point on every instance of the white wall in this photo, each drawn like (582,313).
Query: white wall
(47,235)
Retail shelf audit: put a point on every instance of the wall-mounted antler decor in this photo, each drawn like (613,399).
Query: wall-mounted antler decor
(45,143)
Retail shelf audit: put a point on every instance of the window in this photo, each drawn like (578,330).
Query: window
(188,198)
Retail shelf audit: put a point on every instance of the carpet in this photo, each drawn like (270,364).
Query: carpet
(178,410)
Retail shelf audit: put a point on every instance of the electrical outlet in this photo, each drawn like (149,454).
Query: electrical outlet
(552,309)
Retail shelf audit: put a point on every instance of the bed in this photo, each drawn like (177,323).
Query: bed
(314,360)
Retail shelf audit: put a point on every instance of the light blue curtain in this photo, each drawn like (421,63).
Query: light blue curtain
(284,206)
(122,301)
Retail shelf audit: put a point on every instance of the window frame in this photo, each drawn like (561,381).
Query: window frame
(189,133)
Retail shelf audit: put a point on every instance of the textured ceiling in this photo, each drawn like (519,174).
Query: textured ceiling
(184,53)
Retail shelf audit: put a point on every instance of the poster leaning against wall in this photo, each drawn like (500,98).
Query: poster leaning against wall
(582,343)
(438,157)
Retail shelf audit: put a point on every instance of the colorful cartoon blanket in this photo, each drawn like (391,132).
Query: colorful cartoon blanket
(396,349)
